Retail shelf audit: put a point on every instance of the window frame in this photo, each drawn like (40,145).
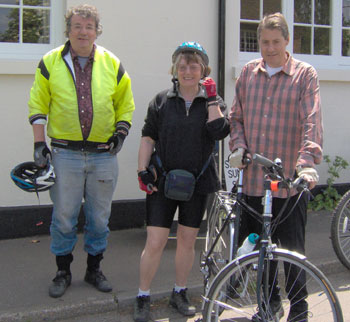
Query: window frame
(333,61)
(26,51)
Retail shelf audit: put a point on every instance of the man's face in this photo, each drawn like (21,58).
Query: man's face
(273,47)
(82,35)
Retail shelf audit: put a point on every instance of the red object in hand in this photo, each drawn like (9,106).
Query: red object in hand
(210,87)
(144,187)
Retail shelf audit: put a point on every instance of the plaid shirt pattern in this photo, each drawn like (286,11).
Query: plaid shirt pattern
(277,117)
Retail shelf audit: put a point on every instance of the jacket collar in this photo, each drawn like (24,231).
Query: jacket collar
(173,93)
(67,48)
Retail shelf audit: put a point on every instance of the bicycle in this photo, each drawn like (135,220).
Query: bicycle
(340,230)
(250,281)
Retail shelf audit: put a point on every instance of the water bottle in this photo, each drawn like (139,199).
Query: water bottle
(248,244)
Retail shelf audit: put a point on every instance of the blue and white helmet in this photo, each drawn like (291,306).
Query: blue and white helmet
(194,47)
(31,178)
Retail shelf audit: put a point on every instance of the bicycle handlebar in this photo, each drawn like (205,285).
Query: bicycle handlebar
(273,167)
(263,161)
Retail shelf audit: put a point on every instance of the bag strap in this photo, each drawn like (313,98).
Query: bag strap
(159,161)
(205,166)
(200,174)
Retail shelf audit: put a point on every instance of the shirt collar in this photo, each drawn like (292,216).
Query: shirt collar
(75,56)
(288,67)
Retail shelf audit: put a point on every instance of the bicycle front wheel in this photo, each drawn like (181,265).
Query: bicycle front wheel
(340,230)
(283,298)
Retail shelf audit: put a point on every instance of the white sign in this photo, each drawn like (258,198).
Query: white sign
(231,174)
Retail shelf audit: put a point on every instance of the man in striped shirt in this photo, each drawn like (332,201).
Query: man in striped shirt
(277,113)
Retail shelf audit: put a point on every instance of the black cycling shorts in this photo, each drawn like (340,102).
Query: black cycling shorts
(161,210)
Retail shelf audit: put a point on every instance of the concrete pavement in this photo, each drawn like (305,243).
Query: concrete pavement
(27,268)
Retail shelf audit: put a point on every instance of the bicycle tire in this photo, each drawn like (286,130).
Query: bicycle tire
(340,230)
(223,250)
(220,305)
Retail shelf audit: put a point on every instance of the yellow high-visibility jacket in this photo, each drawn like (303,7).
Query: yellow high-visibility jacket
(53,96)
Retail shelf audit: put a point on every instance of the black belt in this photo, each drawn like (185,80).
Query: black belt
(85,146)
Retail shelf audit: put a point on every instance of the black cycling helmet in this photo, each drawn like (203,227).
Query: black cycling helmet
(194,47)
(31,178)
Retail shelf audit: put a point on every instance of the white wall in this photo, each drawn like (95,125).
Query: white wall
(144,34)
(335,97)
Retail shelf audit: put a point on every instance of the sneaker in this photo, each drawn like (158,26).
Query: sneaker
(59,284)
(97,279)
(298,313)
(181,302)
(276,311)
(142,308)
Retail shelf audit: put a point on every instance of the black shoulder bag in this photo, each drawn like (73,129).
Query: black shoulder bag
(179,184)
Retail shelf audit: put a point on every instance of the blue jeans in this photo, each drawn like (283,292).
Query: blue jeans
(81,175)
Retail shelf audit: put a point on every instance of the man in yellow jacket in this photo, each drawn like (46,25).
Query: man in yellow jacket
(83,96)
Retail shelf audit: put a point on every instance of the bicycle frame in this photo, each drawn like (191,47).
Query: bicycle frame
(266,244)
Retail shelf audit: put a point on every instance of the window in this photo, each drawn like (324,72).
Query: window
(346,28)
(28,28)
(252,12)
(312,27)
(319,29)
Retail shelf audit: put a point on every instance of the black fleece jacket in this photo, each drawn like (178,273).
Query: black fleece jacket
(184,139)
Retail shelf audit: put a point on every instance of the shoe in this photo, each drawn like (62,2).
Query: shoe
(142,308)
(181,302)
(276,311)
(298,313)
(97,279)
(59,284)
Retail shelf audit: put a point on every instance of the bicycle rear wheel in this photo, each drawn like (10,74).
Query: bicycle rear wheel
(223,250)
(340,230)
(225,303)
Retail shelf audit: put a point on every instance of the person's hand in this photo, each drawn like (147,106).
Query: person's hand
(308,174)
(210,87)
(41,154)
(236,159)
(115,142)
(147,178)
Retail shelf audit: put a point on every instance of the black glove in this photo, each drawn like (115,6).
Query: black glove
(147,178)
(41,154)
(115,142)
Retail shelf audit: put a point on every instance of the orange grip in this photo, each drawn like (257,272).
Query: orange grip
(274,185)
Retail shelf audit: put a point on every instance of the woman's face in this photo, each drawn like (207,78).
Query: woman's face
(189,74)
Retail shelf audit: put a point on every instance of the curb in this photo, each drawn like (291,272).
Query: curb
(330,267)
(119,305)
(64,312)
(87,308)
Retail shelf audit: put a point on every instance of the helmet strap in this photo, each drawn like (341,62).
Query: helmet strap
(36,191)
(175,85)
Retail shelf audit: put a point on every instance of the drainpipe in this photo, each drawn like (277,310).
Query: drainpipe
(221,73)
(221,48)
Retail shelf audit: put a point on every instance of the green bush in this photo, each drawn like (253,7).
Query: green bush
(328,197)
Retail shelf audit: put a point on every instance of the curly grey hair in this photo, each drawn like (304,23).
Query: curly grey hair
(85,11)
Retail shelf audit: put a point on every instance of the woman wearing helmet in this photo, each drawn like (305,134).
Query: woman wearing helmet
(180,130)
